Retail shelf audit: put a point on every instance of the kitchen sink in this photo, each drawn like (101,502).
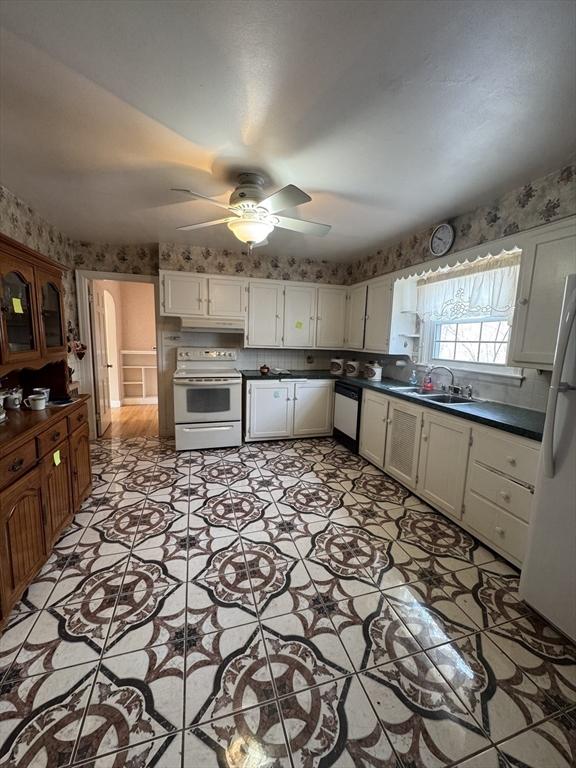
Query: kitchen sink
(448,399)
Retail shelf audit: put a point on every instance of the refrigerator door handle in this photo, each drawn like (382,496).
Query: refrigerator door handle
(556,385)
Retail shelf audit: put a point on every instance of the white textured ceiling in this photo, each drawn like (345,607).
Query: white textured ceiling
(392,115)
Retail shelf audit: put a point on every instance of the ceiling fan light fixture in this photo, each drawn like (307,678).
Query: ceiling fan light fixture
(250,231)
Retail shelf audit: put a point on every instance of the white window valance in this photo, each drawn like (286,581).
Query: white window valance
(484,288)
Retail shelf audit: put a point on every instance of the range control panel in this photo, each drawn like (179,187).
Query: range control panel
(198,353)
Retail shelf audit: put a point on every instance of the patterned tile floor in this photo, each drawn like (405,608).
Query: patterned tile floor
(281,604)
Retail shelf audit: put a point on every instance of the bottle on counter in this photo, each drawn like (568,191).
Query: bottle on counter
(413,380)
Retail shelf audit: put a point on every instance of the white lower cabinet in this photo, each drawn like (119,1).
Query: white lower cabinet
(443,461)
(270,409)
(479,476)
(278,409)
(499,490)
(373,427)
(313,408)
(403,441)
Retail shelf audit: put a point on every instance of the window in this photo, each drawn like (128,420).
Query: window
(465,313)
(476,341)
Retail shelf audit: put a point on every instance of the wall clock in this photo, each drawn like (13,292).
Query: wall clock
(442,239)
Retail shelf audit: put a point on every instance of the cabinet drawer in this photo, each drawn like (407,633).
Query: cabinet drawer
(78,418)
(505,455)
(51,437)
(508,534)
(505,493)
(17,463)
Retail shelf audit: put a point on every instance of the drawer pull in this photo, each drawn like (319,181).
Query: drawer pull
(16,465)
(499,530)
(505,495)
(80,417)
(55,436)
(511,460)
(425,438)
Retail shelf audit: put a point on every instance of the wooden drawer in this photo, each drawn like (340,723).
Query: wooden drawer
(17,463)
(51,437)
(506,455)
(508,534)
(78,418)
(510,496)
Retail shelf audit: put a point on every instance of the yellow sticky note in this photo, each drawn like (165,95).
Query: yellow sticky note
(17,305)
(57,458)
(299,324)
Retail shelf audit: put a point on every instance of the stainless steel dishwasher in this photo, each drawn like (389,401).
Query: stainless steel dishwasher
(347,406)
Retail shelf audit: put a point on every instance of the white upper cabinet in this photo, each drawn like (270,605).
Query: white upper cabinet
(373,426)
(299,315)
(313,407)
(265,314)
(226,297)
(331,318)
(443,461)
(403,441)
(378,314)
(547,258)
(183,294)
(355,317)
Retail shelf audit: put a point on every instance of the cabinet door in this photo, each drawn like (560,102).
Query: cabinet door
(378,315)
(226,297)
(546,261)
(270,409)
(299,316)
(56,491)
(443,462)
(403,442)
(373,426)
(80,465)
(19,338)
(22,543)
(265,314)
(331,318)
(50,294)
(313,408)
(183,294)
(355,317)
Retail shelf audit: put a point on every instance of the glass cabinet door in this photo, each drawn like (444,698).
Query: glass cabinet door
(18,314)
(52,315)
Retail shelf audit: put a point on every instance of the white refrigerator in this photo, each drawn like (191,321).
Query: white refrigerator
(548,581)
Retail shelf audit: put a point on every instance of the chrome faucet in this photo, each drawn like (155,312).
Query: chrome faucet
(445,368)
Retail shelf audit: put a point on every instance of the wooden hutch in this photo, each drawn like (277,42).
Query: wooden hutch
(45,471)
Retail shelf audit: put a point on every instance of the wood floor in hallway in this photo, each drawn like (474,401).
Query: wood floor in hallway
(133,421)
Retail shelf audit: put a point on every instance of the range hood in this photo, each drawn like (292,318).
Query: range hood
(214,324)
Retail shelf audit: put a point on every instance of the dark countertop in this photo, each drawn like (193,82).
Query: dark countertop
(509,418)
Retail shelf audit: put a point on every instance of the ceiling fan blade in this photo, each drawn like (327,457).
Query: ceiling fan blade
(201,197)
(287,197)
(203,224)
(305,227)
(259,245)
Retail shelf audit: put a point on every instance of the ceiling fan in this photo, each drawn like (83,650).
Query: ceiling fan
(253,216)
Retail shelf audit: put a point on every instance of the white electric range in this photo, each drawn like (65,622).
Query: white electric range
(207,399)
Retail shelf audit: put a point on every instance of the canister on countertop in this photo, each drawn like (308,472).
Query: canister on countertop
(352,368)
(373,371)
(337,366)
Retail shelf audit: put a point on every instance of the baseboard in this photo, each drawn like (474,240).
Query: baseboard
(140,401)
(115,403)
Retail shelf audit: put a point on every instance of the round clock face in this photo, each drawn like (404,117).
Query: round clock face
(442,239)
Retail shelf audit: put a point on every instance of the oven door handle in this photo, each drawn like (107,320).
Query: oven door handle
(220,383)
(224,428)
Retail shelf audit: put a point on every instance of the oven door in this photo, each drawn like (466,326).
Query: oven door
(199,401)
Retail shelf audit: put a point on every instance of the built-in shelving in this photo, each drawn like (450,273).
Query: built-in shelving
(139,377)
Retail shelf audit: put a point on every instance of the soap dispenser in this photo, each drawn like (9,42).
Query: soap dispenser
(413,380)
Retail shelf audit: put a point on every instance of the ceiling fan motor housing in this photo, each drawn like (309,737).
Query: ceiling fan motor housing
(250,189)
